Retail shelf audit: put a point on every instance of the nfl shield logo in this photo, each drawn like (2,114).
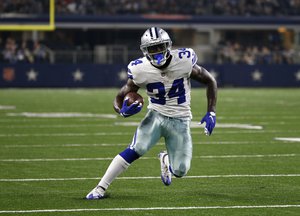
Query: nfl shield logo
(8,74)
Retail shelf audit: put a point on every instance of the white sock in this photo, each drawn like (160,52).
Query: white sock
(166,159)
(116,167)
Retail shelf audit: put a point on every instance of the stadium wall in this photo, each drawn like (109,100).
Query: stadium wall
(108,75)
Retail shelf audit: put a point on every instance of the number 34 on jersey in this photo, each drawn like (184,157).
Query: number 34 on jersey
(170,90)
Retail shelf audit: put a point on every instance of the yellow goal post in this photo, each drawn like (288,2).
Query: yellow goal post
(39,27)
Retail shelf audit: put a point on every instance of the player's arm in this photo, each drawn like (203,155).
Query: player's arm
(201,75)
(128,87)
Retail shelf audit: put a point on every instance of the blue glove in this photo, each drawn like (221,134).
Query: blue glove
(210,120)
(130,110)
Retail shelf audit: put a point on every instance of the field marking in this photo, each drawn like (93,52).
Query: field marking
(67,134)
(197,125)
(125,144)
(62,115)
(254,132)
(230,125)
(246,156)
(7,107)
(50,115)
(34,120)
(288,139)
(56,126)
(63,145)
(258,116)
(129,133)
(148,209)
(143,158)
(151,177)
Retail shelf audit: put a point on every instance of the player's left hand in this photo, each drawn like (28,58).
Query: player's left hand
(210,120)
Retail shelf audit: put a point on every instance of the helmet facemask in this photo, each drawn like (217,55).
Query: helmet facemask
(157,54)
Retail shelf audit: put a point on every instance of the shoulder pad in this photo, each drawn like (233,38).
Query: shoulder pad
(189,54)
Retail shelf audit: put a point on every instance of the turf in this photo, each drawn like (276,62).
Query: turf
(235,171)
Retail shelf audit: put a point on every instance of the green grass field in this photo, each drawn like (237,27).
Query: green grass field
(48,164)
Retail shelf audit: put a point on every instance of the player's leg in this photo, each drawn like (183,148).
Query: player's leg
(146,136)
(179,146)
(116,167)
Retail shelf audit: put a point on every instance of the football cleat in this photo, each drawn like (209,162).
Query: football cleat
(166,175)
(96,193)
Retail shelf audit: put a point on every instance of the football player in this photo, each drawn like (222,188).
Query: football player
(165,74)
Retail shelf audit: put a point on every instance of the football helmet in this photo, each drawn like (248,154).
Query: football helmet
(156,45)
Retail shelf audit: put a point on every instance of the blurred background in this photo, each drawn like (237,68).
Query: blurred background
(81,43)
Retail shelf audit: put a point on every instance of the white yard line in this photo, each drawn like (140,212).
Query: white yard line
(149,209)
(63,145)
(230,125)
(66,134)
(46,120)
(136,123)
(288,139)
(125,144)
(7,107)
(62,115)
(129,133)
(255,116)
(152,177)
(56,126)
(197,125)
(246,156)
(54,159)
(144,158)
(252,132)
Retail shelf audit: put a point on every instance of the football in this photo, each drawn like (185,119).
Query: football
(132,97)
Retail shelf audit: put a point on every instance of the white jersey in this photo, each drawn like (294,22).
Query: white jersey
(168,89)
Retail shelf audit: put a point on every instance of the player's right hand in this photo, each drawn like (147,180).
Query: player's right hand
(130,110)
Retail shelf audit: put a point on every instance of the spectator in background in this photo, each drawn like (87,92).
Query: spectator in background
(294,7)
(24,6)
(236,53)
(39,52)
(24,54)
(14,53)
(266,55)
(183,7)
(9,52)
(288,55)
(249,57)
